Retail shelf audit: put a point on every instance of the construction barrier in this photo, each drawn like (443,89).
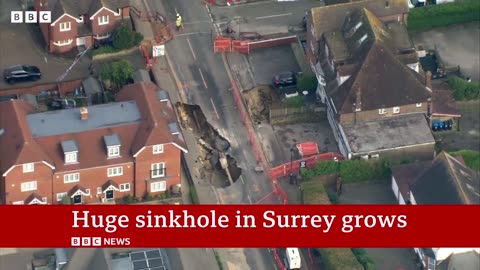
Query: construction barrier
(272,42)
(278,260)
(309,162)
(222,44)
(241,46)
(147,57)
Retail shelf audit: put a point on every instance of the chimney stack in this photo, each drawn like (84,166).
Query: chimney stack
(428,81)
(83,113)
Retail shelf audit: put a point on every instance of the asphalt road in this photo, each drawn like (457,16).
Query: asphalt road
(206,83)
(268,16)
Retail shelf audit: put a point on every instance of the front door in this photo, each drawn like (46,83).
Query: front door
(109,195)
(77,199)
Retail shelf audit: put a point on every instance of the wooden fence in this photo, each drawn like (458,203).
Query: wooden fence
(286,115)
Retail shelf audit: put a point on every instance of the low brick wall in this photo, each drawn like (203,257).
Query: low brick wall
(283,116)
(65,87)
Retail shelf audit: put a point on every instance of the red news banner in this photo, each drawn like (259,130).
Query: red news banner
(240,226)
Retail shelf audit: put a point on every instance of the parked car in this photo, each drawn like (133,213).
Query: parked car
(286,79)
(21,73)
(61,103)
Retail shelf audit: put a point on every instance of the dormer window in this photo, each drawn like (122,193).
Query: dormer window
(70,151)
(112,142)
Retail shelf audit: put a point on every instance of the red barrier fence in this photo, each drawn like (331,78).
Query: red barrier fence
(226,44)
(272,42)
(147,57)
(278,260)
(222,44)
(309,162)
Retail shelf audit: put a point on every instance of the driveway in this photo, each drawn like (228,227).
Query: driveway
(457,45)
(19,46)
(379,193)
(268,62)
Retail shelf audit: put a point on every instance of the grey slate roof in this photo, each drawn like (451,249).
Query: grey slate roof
(69,146)
(141,75)
(447,181)
(111,140)
(68,121)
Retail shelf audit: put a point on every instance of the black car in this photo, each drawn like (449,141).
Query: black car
(21,73)
(286,79)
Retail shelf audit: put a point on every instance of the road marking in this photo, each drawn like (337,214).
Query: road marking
(249,199)
(273,16)
(203,78)
(176,11)
(241,179)
(45,58)
(191,49)
(215,110)
(192,33)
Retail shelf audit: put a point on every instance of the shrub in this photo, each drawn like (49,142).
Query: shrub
(147,197)
(459,12)
(464,90)
(339,259)
(104,50)
(363,258)
(128,199)
(362,170)
(124,38)
(308,83)
(119,72)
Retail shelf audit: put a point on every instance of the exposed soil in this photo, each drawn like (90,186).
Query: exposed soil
(259,100)
(214,155)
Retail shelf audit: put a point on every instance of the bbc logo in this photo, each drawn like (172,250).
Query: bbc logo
(86,242)
(31,17)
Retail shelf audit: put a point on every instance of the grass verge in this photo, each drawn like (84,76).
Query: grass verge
(471,157)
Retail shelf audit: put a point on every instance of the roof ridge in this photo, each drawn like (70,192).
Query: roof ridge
(453,172)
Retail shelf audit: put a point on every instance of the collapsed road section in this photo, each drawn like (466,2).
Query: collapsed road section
(218,166)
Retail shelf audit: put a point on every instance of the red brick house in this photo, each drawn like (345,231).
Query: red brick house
(79,23)
(92,154)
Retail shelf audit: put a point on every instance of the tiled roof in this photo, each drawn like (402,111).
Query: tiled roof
(331,17)
(75,8)
(447,181)
(16,143)
(153,127)
(109,183)
(461,261)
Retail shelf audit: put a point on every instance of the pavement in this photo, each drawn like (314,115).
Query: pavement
(20,45)
(201,78)
(457,45)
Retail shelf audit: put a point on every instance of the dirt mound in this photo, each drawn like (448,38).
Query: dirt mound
(259,100)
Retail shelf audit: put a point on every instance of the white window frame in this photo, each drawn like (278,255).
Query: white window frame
(19,202)
(115,171)
(113,151)
(99,190)
(65,26)
(158,167)
(28,186)
(28,167)
(61,195)
(124,187)
(158,186)
(87,192)
(71,178)
(382,111)
(418,105)
(71,157)
(396,109)
(102,20)
(104,36)
(362,39)
(158,148)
